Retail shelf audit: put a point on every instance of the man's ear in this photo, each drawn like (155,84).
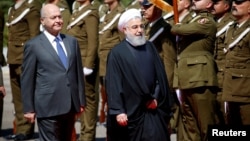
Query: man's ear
(42,21)
(124,30)
(209,4)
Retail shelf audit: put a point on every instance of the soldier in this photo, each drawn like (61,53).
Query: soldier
(109,36)
(2,63)
(236,90)
(185,15)
(65,10)
(23,24)
(102,8)
(221,11)
(195,72)
(158,32)
(84,25)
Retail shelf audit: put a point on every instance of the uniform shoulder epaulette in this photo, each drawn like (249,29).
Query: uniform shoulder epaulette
(156,34)
(116,17)
(233,24)
(224,29)
(242,35)
(168,15)
(120,9)
(195,18)
(78,18)
(30,1)
(22,14)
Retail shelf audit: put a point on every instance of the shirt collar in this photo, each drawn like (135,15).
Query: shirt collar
(51,37)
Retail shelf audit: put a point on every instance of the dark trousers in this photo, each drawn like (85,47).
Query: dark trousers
(238,113)
(57,128)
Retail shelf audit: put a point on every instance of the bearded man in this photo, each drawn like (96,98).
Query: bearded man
(138,94)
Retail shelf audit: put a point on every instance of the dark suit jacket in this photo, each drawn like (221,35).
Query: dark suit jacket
(48,89)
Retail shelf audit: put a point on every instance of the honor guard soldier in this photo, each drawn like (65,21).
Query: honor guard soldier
(236,90)
(195,73)
(84,25)
(23,24)
(222,12)
(109,36)
(101,7)
(185,14)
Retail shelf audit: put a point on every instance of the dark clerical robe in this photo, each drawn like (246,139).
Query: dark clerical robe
(129,88)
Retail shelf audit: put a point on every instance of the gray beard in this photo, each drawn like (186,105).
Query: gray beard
(136,40)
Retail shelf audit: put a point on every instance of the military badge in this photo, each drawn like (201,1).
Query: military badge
(203,21)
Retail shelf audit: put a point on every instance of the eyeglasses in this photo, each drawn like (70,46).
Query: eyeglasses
(142,26)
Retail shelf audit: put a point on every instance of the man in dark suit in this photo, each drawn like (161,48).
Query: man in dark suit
(2,63)
(52,81)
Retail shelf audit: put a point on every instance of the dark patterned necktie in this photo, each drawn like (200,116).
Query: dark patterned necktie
(61,53)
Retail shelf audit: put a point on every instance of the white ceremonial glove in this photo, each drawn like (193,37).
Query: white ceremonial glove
(87,71)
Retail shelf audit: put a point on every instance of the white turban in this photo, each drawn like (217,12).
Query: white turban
(127,16)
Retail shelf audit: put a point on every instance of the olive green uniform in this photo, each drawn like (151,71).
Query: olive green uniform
(84,25)
(23,24)
(219,56)
(236,90)
(175,122)
(109,36)
(195,75)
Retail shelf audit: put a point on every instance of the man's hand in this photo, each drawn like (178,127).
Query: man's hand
(2,90)
(151,104)
(81,111)
(122,119)
(31,117)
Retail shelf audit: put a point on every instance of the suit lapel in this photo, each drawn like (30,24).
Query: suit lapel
(48,46)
